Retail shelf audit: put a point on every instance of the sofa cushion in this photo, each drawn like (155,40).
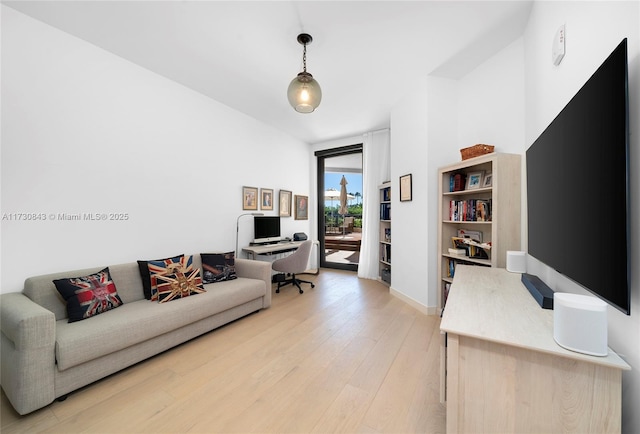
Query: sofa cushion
(218,267)
(178,285)
(88,296)
(138,321)
(145,275)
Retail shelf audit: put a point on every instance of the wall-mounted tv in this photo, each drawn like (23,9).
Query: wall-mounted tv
(578,186)
(266,229)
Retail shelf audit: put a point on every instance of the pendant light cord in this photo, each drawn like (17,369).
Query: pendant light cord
(304,58)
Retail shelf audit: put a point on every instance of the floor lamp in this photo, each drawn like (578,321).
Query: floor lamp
(238,226)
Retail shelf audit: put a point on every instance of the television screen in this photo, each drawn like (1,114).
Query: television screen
(577,186)
(266,229)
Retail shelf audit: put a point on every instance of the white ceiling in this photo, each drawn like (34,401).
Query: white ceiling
(366,55)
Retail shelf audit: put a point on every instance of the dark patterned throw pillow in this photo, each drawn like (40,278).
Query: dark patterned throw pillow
(88,296)
(146,277)
(218,267)
(166,267)
(179,285)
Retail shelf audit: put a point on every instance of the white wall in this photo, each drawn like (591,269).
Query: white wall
(423,126)
(593,30)
(492,108)
(428,129)
(491,102)
(409,220)
(84,131)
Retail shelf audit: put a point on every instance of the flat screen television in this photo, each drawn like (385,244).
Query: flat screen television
(266,229)
(578,186)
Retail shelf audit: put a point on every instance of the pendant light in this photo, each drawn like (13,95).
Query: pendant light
(304,92)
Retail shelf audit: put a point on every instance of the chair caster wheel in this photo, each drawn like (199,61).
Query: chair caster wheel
(277,291)
(313,286)
(301,291)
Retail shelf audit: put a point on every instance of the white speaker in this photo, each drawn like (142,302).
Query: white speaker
(580,323)
(516,261)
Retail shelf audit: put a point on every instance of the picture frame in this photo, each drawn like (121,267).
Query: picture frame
(266,199)
(302,207)
(474,180)
(284,198)
(406,192)
(487,180)
(250,198)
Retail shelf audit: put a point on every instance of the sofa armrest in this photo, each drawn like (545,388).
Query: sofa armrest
(27,351)
(256,270)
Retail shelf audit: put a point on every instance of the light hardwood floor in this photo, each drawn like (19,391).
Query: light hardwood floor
(345,356)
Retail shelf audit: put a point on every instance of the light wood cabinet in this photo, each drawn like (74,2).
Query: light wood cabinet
(384,267)
(488,204)
(505,372)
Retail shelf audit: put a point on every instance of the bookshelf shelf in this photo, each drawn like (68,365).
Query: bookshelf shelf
(486,262)
(467,192)
(449,222)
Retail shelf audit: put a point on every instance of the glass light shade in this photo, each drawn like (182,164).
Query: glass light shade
(304,93)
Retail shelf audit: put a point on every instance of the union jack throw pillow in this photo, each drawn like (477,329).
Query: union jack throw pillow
(143,266)
(167,267)
(88,296)
(179,285)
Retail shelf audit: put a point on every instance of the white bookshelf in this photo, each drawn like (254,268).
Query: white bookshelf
(502,231)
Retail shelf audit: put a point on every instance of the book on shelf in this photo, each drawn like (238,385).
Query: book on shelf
(445,293)
(385,253)
(386,194)
(451,269)
(387,235)
(457,181)
(472,210)
(385,211)
(473,249)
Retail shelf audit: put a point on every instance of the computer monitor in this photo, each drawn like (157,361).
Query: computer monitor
(266,229)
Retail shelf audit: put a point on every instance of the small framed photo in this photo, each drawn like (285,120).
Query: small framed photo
(249,198)
(285,203)
(486,181)
(405,188)
(302,208)
(474,180)
(266,199)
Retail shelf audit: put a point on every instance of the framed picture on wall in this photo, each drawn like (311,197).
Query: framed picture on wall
(266,199)
(405,188)
(249,198)
(302,208)
(285,203)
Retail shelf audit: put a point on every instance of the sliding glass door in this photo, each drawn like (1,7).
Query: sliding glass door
(340,206)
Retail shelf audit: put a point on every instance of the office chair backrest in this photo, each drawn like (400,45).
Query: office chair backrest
(295,262)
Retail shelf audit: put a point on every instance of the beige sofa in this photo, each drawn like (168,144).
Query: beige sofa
(45,357)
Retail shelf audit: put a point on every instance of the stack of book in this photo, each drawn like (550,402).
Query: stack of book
(471,210)
(385,211)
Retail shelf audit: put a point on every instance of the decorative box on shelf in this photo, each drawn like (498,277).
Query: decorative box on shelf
(476,150)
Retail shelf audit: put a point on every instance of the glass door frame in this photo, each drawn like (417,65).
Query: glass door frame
(321,156)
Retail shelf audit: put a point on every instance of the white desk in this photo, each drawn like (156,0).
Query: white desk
(271,249)
(504,371)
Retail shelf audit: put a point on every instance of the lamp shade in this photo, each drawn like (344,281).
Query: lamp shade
(304,93)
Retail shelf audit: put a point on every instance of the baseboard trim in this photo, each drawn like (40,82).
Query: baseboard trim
(413,303)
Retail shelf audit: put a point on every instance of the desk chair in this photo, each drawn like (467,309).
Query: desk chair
(293,264)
